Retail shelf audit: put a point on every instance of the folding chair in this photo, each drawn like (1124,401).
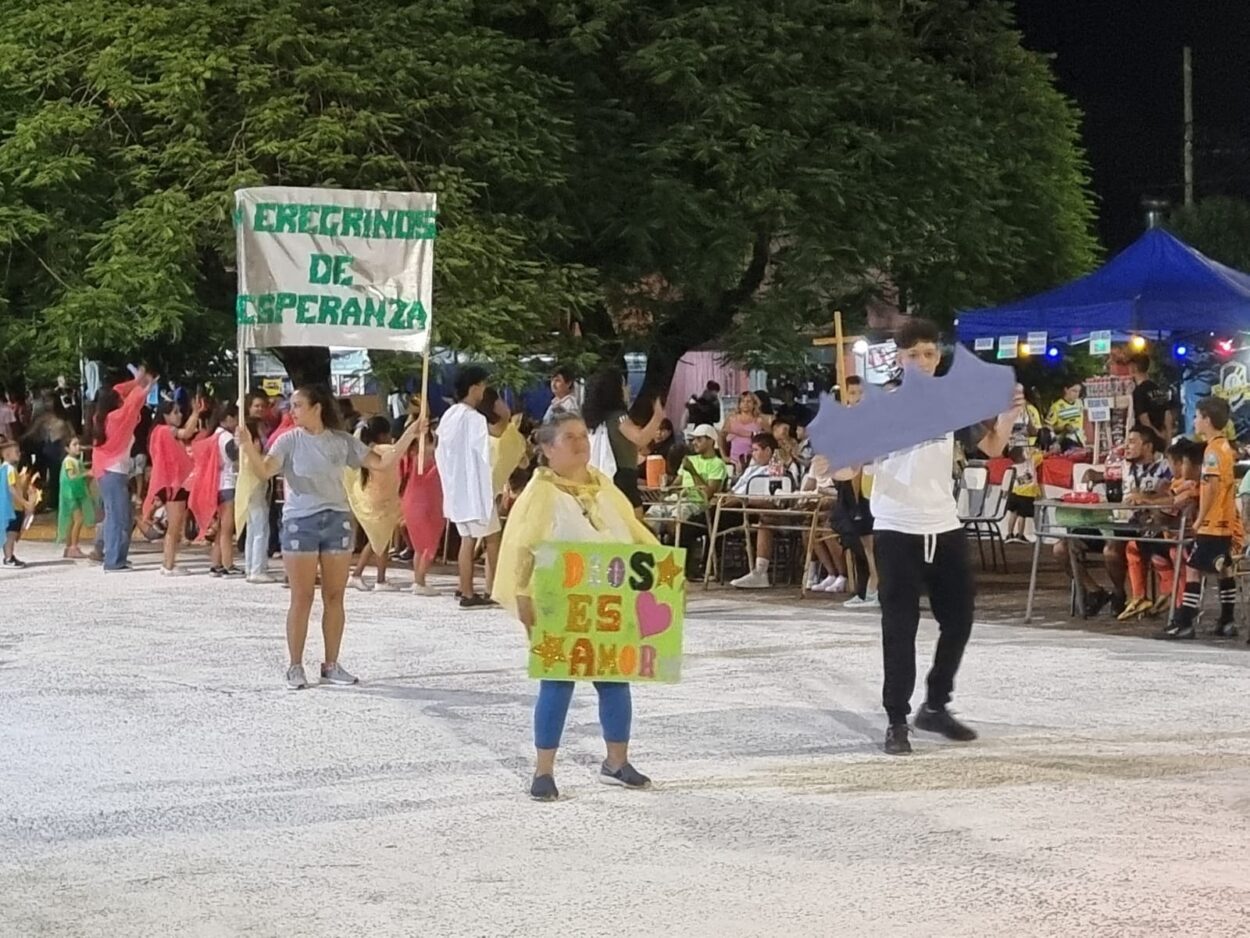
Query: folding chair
(986,507)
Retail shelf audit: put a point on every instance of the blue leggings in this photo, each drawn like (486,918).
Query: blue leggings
(615,711)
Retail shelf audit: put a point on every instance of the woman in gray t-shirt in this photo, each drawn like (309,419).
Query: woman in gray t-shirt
(316,520)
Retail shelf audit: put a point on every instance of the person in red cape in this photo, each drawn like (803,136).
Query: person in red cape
(171,467)
(117,414)
(422,500)
(211,486)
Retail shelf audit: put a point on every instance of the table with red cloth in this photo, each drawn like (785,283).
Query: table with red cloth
(1057,470)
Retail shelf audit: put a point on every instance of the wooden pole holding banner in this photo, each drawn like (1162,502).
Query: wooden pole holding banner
(242,352)
(425,394)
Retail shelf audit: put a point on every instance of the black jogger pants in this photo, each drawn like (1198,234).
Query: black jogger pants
(908,564)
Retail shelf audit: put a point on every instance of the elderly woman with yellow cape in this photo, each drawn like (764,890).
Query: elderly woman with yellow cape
(568,500)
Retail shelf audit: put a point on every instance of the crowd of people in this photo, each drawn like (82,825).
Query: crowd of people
(338,494)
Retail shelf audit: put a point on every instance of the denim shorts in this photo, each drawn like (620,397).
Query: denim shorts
(326,532)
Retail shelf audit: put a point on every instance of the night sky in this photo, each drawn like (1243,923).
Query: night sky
(1120,60)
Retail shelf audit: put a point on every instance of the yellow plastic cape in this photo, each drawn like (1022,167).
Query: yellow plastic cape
(529,524)
(377,506)
(506,452)
(245,486)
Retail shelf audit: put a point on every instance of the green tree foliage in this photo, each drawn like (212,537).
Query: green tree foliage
(126,127)
(1219,227)
(742,167)
(668,171)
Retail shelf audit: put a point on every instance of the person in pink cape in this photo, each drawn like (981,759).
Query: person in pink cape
(117,414)
(211,486)
(422,500)
(171,468)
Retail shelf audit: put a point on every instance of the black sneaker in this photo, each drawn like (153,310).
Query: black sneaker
(626,775)
(941,721)
(1095,601)
(1177,631)
(896,742)
(543,788)
(1225,630)
(14,564)
(477,601)
(217,571)
(231,570)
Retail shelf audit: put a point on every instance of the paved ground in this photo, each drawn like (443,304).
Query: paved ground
(158,780)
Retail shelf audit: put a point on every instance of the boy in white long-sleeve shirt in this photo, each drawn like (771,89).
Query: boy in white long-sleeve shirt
(464,467)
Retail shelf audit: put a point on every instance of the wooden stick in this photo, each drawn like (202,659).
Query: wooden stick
(839,344)
(425,396)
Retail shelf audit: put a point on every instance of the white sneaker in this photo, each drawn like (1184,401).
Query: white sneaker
(869,601)
(755,580)
(386,586)
(839,585)
(421,589)
(358,582)
(825,585)
(173,571)
(259,578)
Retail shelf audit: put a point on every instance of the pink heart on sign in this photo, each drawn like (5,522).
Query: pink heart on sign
(653,616)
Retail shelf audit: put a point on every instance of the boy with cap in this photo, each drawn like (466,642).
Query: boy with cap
(703,474)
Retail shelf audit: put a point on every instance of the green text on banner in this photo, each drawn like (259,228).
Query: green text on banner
(338,267)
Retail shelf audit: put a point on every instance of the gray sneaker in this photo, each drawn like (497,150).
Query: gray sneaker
(626,775)
(334,674)
(295,677)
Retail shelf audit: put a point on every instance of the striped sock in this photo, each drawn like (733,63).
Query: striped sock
(1228,600)
(1190,602)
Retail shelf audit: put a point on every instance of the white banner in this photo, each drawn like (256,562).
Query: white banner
(335,267)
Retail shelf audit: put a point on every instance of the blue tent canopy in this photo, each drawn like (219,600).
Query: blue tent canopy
(1157,284)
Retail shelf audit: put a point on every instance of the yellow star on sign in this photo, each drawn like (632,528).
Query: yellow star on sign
(669,570)
(550,650)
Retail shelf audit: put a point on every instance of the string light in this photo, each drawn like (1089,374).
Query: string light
(1023,350)
(1180,350)
(1137,343)
(1052,352)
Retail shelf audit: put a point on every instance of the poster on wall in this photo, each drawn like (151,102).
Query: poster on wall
(881,362)
(1100,342)
(984,343)
(1008,346)
(1036,343)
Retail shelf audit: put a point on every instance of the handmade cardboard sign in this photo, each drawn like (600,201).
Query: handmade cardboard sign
(923,408)
(607,612)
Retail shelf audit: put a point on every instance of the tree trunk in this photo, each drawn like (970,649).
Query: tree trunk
(306,364)
(691,323)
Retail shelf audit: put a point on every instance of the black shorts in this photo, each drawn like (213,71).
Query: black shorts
(851,516)
(172,495)
(1207,549)
(1022,505)
(15,526)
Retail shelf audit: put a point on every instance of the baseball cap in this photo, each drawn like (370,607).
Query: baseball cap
(704,429)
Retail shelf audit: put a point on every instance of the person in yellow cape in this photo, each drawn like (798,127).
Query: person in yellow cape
(251,511)
(507,452)
(374,497)
(568,500)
